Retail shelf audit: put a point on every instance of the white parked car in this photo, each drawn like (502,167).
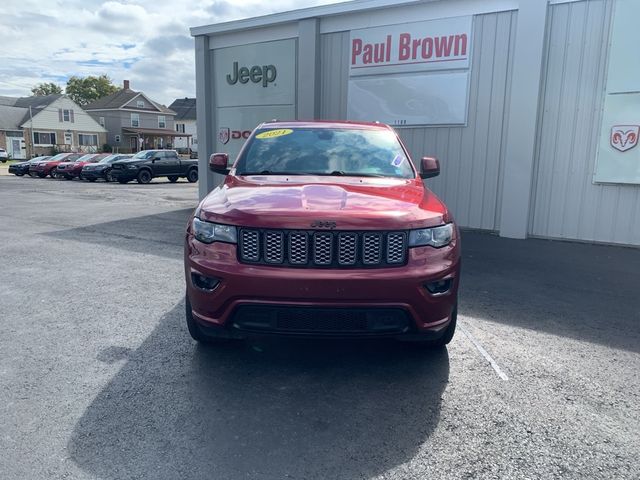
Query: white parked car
(4,156)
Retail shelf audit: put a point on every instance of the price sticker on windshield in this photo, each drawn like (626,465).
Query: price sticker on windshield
(274,133)
(397,161)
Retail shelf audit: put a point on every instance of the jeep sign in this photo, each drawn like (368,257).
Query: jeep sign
(254,75)
(265,74)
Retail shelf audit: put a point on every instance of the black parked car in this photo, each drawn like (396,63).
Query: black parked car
(102,169)
(148,164)
(22,168)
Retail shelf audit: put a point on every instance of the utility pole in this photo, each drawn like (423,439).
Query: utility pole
(33,137)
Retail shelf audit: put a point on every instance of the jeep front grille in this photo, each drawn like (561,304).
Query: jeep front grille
(321,248)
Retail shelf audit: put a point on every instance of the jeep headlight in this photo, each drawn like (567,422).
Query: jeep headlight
(436,237)
(208,232)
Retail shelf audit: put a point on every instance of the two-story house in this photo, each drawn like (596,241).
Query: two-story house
(185,119)
(40,125)
(133,121)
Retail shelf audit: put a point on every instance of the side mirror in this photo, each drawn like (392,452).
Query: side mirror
(218,163)
(429,167)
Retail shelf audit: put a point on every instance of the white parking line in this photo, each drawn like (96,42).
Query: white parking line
(484,353)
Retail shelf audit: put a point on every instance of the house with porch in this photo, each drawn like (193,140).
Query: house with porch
(185,121)
(133,121)
(42,125)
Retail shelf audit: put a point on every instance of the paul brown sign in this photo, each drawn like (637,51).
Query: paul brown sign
(442,44)
(264,74)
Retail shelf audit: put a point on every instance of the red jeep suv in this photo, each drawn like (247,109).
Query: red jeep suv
(324,229)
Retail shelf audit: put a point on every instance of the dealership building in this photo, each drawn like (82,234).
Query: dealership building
(532,106)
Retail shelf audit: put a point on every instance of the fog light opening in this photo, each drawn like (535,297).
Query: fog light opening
(204,283)
(439,287)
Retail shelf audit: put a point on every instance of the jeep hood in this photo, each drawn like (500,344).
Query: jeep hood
(295,202)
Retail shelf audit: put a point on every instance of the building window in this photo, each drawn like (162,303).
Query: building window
(65,115)
(117,138)
(102,121)
(42,138)
(135,120)
(87,140)
(140,103)
(162,121)
(180,127)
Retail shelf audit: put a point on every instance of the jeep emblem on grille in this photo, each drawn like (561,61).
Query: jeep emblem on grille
(322,224)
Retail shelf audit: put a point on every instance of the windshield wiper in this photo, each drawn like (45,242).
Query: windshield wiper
(342,173)
(270,172)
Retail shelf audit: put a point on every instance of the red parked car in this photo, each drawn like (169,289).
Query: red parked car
(73,169)
(48,167)
(324,229)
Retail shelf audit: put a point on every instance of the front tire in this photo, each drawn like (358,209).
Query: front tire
(144,176)
(192,175)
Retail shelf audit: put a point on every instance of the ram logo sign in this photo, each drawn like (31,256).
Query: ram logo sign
(224,135)
(624,137)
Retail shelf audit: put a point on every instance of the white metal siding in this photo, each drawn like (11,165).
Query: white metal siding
(471,156)
(334,75)
(565,203)
(48,119)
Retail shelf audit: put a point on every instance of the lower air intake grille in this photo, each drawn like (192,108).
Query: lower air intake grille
(287,319)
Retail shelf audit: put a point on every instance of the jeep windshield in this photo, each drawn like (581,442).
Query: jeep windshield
(325,151)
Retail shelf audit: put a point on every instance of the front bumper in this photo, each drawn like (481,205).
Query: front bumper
(39,171)
(256,298)
(124,174)
(91,174)
(18,170)
(65,173)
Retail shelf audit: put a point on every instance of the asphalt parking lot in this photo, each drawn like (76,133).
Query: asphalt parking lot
(99,378)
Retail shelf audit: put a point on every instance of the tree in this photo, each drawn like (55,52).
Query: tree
(47,88)
(88,89)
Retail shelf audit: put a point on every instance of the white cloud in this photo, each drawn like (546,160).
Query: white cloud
(145,41)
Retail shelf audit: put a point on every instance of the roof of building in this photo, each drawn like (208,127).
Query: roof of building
(11,117)
(9,101)
(120,98)
(333,9)
(14,111)
(37,102)
(185,108)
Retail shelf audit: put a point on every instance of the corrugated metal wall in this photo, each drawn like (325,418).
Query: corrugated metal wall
(471,157)
(334,72)
(566,204)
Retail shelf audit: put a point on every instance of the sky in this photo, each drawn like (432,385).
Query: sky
(144,41)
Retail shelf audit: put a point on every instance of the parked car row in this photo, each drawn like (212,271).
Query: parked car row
(143,167)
